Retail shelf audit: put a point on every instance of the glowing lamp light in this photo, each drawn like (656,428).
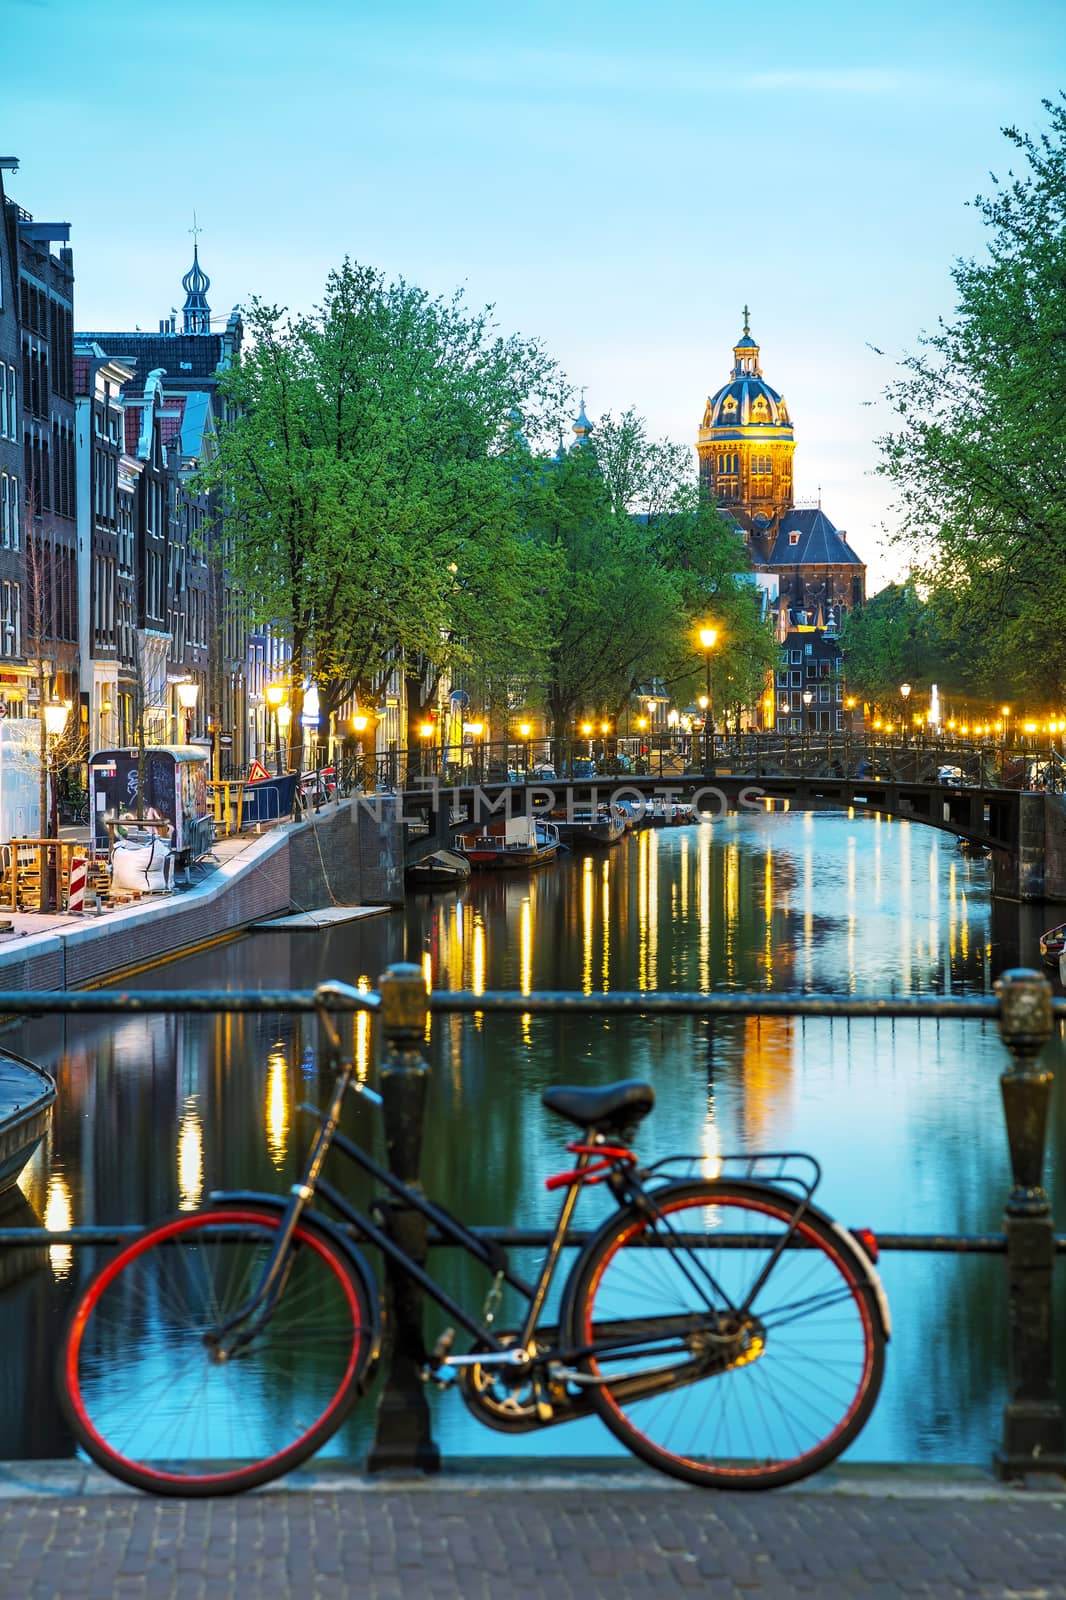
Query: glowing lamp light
(586,729)
(360,722)
(474,729)
(56,713)
(904,689)
(525,729)
(605,727)
(188,694)
(426,730)
(1030,727)
(708,638)
(284,718)
(642,722)
(275,694)
(703,702)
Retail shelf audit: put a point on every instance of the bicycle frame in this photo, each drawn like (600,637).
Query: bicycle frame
(615,1165)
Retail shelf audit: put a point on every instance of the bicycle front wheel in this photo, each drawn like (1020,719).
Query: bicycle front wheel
(727,1381)
(150,1400)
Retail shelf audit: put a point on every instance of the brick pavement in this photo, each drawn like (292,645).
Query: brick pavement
(589,1536)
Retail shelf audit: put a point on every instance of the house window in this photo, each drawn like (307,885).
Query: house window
(797,680)
(797,658)
(10,619)
(793,538)
(808,649)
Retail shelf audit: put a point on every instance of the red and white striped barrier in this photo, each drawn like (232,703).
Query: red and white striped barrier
(79,873)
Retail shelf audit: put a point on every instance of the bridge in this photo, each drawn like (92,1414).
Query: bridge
(1025,831)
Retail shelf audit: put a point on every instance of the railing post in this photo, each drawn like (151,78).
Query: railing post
(403,1439)
(1032,1418)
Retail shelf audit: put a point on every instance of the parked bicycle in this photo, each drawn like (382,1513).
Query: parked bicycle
(725,1329)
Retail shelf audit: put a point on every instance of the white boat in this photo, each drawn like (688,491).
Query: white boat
(507,846)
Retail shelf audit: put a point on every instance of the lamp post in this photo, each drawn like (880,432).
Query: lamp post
(605,728)
(188,694)
(1004,712)
(904,690)
(475,730)
(275,698)
(708,639)
(56,713)
(360,723)
(426,732)
(808,696)
(525,729)
(283,721)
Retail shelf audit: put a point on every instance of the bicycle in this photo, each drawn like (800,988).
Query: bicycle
(726,1330)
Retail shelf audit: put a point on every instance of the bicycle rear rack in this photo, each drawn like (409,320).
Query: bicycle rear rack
(784,1169)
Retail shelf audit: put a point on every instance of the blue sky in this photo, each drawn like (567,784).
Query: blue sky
(617,178)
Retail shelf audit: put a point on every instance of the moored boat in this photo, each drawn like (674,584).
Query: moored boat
(507,846)
(444,869)
(26,1096)
(583,826)
(1053,944)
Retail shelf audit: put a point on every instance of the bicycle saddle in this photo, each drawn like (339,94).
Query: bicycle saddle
(616,1105)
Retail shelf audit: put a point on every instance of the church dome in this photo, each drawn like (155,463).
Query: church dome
(746,403)
(747,400)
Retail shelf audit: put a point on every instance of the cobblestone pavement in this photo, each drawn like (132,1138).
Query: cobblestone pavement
(588,1537)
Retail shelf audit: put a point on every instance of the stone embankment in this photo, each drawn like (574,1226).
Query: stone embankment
(344,855)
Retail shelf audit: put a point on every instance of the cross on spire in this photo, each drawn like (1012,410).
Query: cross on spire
(194,230)
(746,316)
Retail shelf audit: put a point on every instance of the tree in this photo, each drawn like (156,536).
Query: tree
(637,563)
(978,455)
(366,479)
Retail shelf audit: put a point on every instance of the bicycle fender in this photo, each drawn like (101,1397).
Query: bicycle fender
(873,1277)
(317,1223)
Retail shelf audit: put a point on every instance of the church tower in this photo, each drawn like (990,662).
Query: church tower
(196,313)
(745,448)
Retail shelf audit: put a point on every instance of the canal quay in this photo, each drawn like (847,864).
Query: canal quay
(905,1116)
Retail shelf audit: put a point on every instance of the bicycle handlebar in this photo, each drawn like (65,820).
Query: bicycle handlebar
(332,992)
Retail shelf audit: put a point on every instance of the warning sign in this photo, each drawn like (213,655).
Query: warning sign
(257,772)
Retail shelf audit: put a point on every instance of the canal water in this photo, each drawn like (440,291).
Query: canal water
(905,1118)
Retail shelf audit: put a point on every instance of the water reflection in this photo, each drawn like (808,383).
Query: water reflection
(156,1112)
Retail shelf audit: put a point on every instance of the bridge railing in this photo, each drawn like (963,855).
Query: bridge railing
(920,759)
(1032,1437)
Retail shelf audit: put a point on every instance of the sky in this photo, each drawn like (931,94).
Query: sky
(618,179)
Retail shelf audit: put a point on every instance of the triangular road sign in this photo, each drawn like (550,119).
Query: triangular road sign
(257,772)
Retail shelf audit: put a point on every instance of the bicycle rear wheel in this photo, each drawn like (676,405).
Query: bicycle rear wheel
(143,1392)
(714,1397)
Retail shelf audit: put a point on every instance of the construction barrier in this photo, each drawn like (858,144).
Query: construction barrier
(79,876)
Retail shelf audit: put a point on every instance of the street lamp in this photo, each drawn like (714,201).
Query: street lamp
(275,698)
(426,732)
(808,696)
(360,723)
(525,729)
(188,694)
(283,721)
(1004,712)
(708,639)
(904,690)
(475,730)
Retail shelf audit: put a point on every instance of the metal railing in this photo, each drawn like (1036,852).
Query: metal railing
(822,755)
(1032,1438)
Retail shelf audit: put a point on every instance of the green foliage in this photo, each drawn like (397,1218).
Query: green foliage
(979,453)
(636,566)
(367,480)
